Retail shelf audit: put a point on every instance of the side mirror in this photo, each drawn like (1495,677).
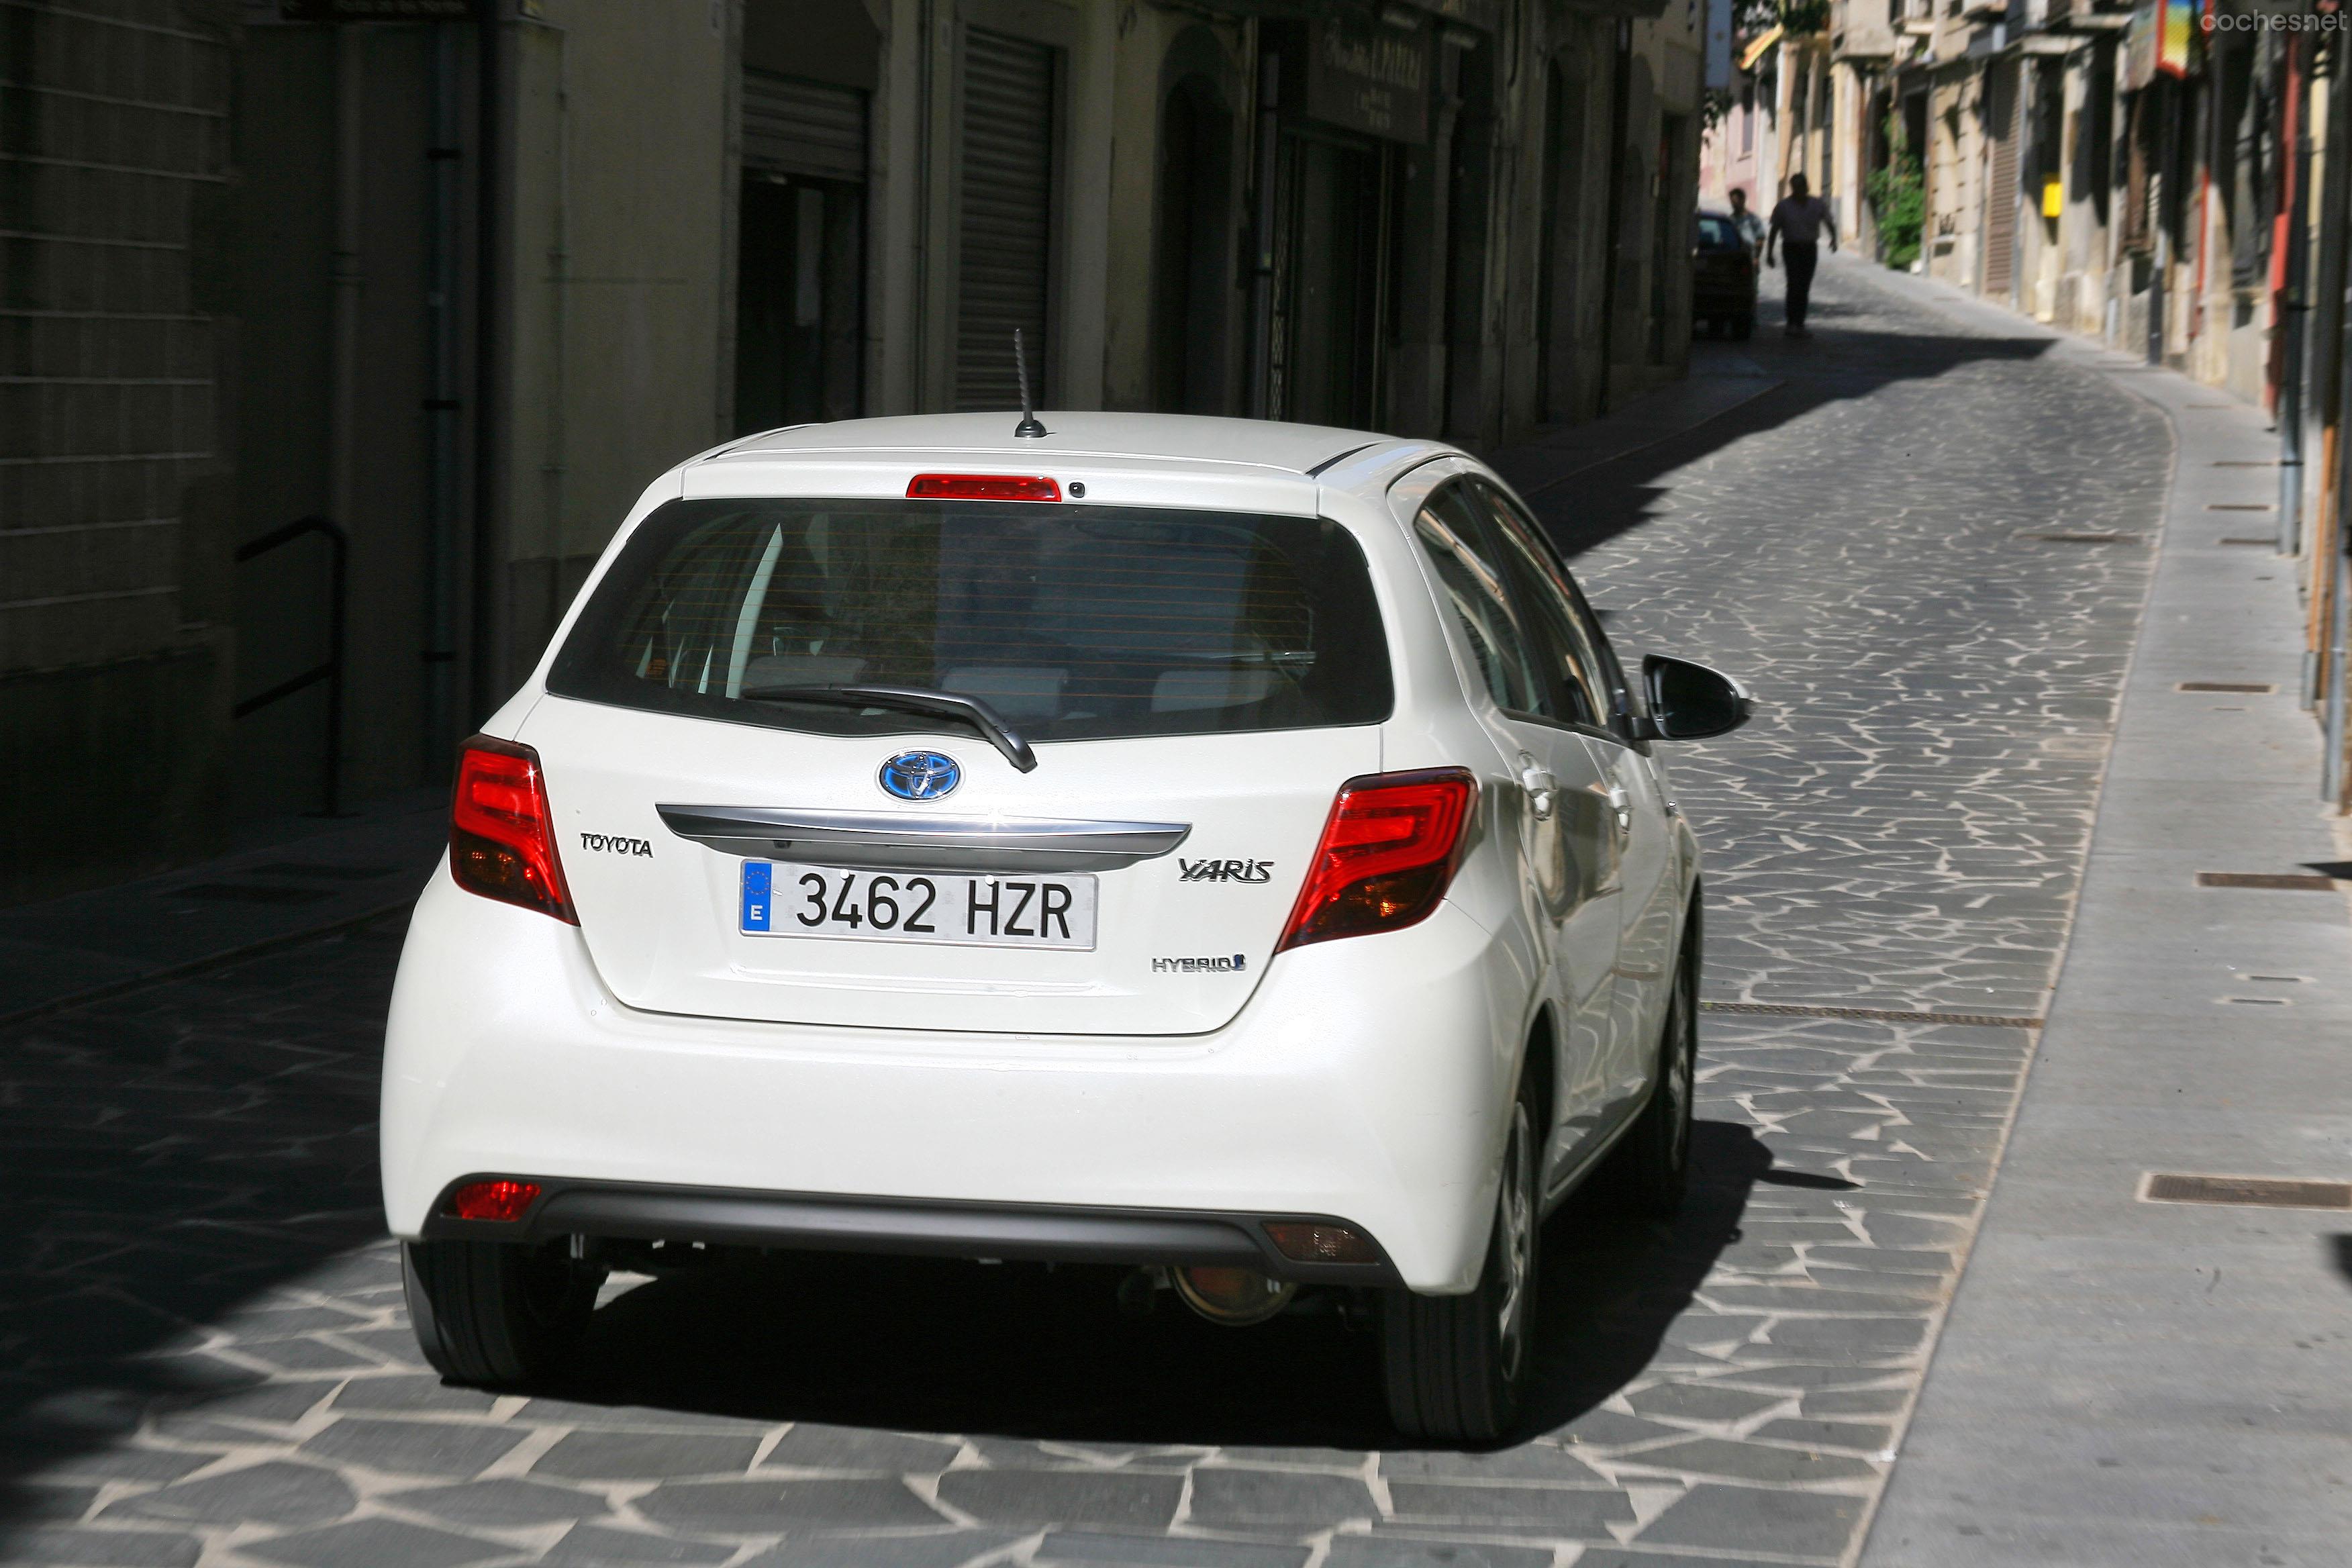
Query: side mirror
(1689,701)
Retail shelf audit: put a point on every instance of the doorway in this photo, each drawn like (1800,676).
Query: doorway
(798,309)
(1191,251)
(1329,273)
(800,262)
(1670,219)
(1470,158)
(1556,281)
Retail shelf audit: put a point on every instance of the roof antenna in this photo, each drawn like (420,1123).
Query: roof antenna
(1028,425)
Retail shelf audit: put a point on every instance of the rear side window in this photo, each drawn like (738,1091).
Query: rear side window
(1459,541)
(1073,622)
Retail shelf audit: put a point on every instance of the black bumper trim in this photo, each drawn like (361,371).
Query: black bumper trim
(913,1227)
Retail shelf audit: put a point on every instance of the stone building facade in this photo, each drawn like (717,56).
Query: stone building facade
(117,371)
(459,276)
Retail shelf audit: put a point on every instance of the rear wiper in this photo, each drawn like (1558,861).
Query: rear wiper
(922,700)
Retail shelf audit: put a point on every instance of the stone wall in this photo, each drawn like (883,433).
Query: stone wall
(113,670)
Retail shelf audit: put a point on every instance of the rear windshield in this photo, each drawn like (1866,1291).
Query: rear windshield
(1073,622)
(1718,234)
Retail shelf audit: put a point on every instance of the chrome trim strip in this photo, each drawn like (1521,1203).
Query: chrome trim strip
(924,844)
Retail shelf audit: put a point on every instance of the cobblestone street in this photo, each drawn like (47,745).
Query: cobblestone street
(204,1357)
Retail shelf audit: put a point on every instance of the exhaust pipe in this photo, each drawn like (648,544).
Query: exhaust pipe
(1235,1298)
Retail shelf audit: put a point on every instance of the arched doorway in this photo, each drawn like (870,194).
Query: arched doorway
(1191,251)
(1468,199)
(1557,279)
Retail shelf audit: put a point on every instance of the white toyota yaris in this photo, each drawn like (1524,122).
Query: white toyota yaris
(1226,848)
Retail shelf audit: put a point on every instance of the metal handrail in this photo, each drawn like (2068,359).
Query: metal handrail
(332,672)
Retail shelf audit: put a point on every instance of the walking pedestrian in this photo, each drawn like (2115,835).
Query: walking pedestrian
(1750,226)
(1796,224)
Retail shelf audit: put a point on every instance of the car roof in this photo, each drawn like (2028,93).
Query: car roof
(1178,441)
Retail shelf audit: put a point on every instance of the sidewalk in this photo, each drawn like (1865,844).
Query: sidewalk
(1722,377)
(291,881)
(2120,1381)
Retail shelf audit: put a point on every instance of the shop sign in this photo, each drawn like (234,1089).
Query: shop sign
(1368,76)
(2160,39)
(1484,14)
(375,10)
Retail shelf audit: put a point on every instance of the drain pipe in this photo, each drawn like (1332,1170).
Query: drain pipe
(343,391)
(554,462)
(488,674)
(2332,781)
(2324,368)
(2293,306)
(2339,632)
(1621,85)
(441,409)
(1269,149)
(2160,290)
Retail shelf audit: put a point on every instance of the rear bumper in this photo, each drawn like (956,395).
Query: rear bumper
(1366,1081)
(824,1223)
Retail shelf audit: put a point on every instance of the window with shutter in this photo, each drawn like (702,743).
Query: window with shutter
(1006,228)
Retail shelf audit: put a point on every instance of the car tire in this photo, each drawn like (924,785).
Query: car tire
(1743,327)
(496,1312)
(1652,1166)
(1456,1365)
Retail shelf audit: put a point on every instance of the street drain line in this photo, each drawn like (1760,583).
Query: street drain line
(1872,1015)
(2081,538)
(2251,687)
(2268,882)
(2258,1192)
(2270,544)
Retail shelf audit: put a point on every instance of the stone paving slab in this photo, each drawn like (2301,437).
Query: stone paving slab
(203,1337)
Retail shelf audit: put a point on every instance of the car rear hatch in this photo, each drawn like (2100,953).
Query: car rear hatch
(743,840)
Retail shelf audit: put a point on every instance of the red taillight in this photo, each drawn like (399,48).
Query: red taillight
(1388,854)
(501,834)
(504,1202)
(983,487)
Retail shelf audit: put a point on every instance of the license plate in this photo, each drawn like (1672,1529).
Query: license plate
(780,898)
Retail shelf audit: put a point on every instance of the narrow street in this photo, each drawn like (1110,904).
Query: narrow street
(1891,533)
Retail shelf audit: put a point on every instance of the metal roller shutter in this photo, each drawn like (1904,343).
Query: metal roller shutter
(795,127)
(1007,225)
(2001,199)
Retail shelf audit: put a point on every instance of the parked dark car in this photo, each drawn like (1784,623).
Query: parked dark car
(1723,277)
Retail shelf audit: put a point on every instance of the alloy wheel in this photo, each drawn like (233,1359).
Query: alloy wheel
(1517,1220)
(1682,1069)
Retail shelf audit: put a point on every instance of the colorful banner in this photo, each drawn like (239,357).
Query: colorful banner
(2173,41)
(2158,41)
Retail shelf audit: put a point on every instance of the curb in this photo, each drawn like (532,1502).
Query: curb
(199,965)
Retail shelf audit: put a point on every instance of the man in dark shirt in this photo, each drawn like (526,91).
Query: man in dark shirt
(1797,226)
